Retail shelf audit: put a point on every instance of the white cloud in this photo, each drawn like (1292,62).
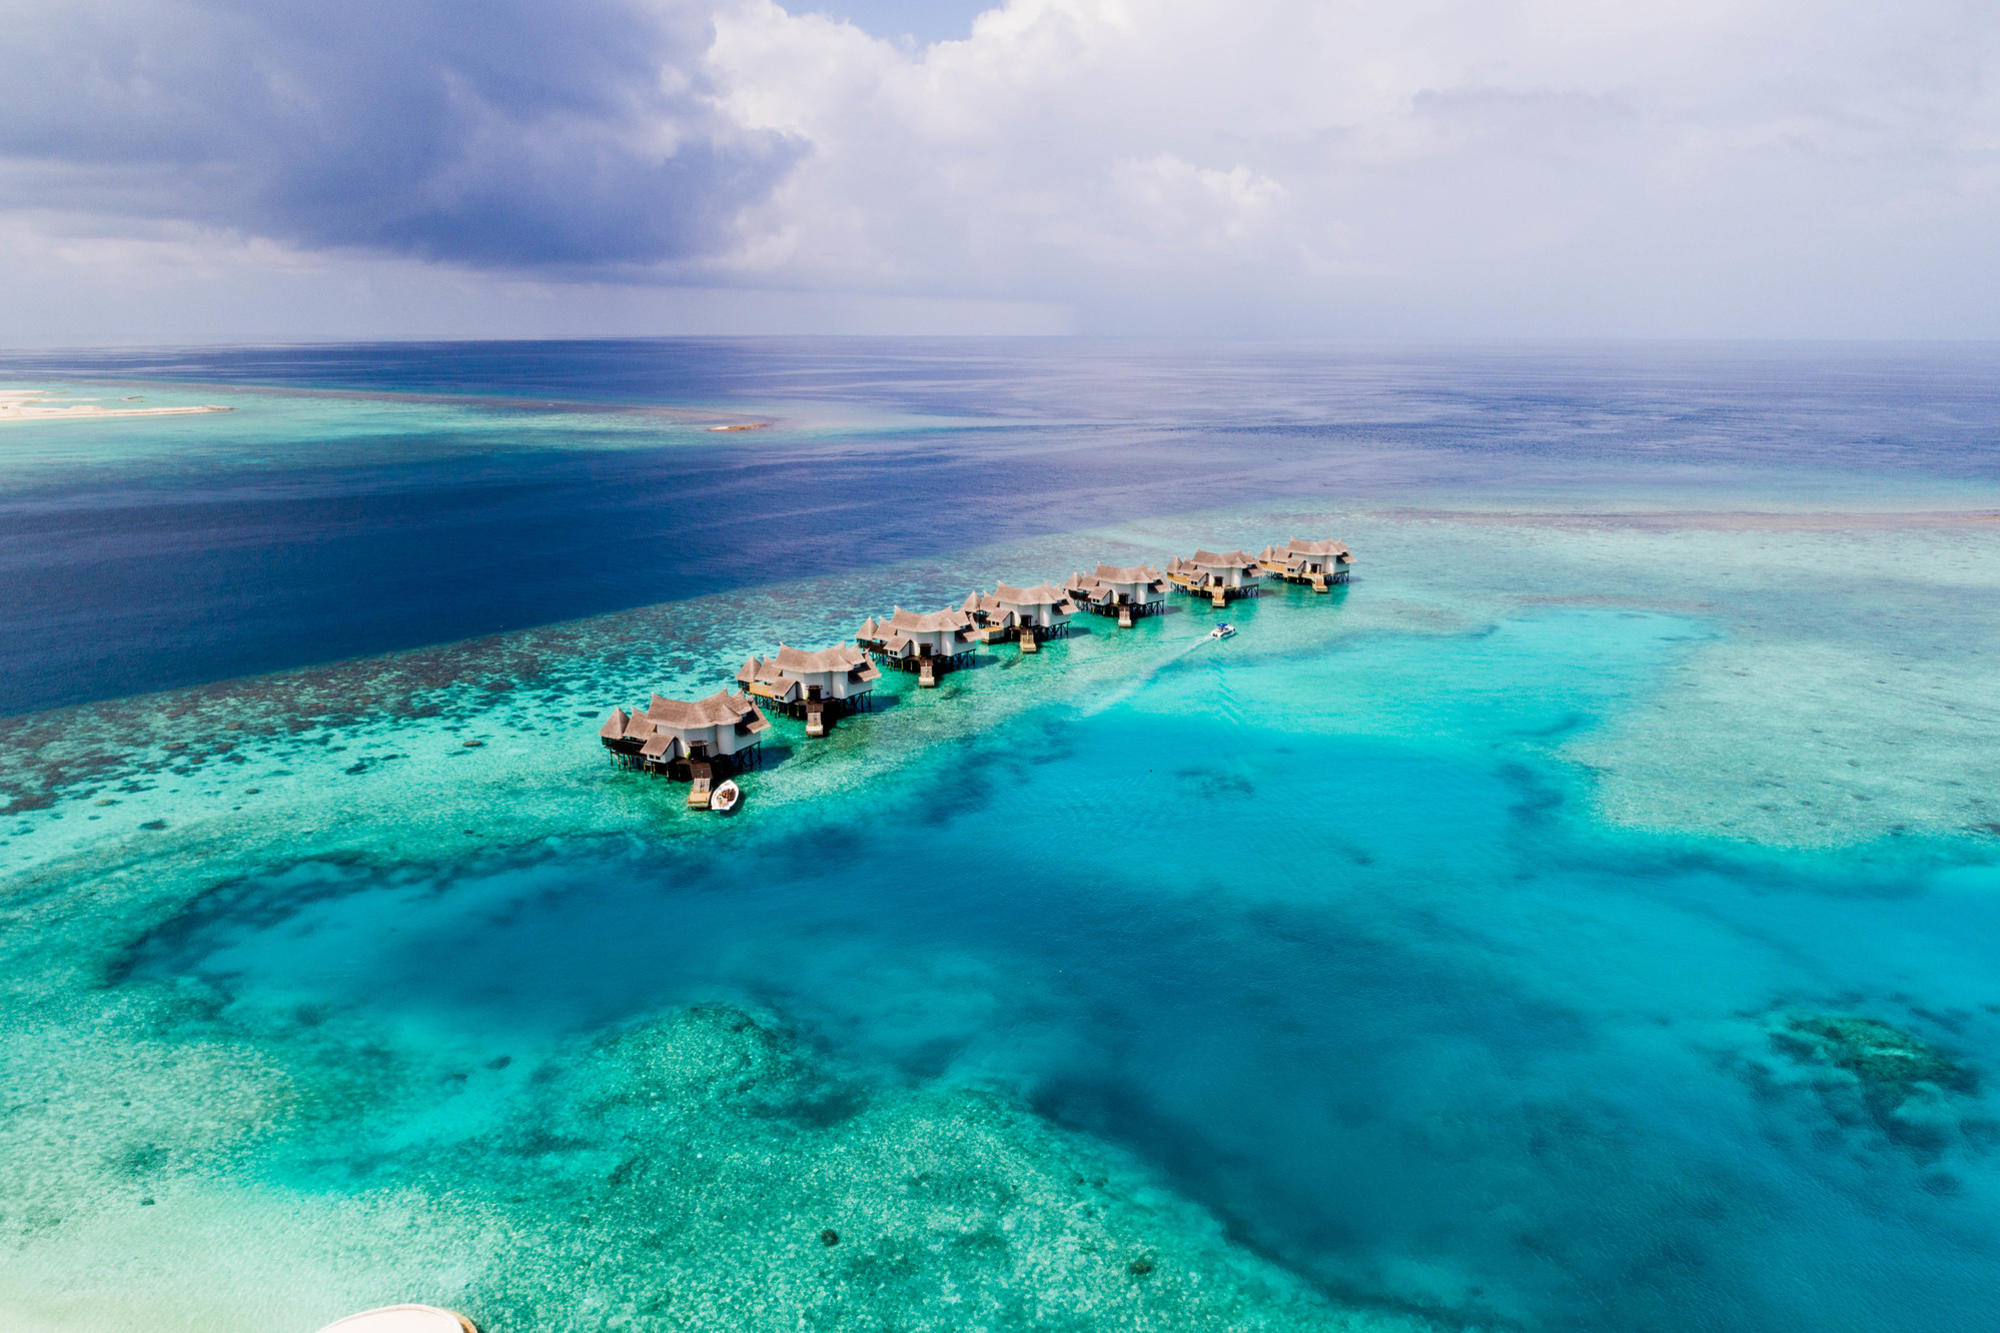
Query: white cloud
(1458,168)
(1431,166)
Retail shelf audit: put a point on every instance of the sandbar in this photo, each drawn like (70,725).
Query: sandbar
(34,405)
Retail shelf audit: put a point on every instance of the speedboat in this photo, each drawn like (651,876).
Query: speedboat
(1222,631)
(726,798)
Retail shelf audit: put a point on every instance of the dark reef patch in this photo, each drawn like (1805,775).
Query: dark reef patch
(1881,1085)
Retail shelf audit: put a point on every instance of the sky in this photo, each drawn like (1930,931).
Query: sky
(279,170)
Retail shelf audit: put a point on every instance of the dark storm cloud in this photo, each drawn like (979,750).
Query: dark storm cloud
(503,133)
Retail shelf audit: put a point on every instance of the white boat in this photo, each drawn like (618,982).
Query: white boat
(1222,631)
(403,1319)
(726,798)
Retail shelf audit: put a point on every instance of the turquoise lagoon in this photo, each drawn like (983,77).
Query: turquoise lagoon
(1586,919)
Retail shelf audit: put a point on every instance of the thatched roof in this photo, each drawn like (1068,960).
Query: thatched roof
(1329,547)
(1039,595)
(1129,574)
(721,709)
(840,657)
(928,622)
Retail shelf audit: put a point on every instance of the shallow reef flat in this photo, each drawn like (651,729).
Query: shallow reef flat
(198,1150)
(697,1171)
(1403,962)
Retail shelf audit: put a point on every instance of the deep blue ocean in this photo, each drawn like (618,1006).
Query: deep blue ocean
(1588,918)
(325,539)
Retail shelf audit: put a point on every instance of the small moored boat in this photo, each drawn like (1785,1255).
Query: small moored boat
(726,798)
(1222,631)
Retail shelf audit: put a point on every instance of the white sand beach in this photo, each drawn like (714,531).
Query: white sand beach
(35,405)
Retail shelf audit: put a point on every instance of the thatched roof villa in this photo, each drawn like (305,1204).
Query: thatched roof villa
(1126,592)
(1036,613)
(1218,577)
(928,643)
(816,686)
(1317,564)
(684,738)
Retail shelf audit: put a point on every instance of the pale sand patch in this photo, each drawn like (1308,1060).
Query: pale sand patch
(1805,744)
(35,405)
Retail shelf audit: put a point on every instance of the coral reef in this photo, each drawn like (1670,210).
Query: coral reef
(1866,1070)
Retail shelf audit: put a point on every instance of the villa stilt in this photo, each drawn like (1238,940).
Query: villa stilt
(1127,593)
(928,644)
(1318,565)
(1220,578)
(694,741)
(818,687)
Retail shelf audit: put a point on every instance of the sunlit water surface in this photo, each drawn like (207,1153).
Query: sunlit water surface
(1497,942)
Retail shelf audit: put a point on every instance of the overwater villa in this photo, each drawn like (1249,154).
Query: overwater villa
(1316,564)
(1033,614)
(818,686)
(708,739)
(692,740)
(1220,578)
(928,643)
(1139,590)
